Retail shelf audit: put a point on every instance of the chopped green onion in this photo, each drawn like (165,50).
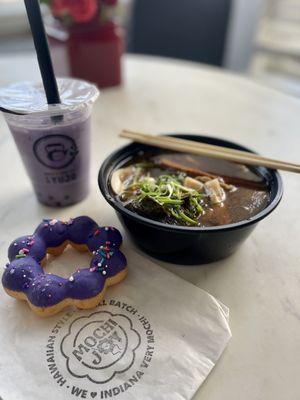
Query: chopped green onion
(169,193)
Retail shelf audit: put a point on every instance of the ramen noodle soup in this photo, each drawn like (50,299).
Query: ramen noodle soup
(189,190)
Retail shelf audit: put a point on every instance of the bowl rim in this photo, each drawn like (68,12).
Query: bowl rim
(103,186)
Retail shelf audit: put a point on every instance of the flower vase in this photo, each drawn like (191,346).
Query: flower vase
(89,51)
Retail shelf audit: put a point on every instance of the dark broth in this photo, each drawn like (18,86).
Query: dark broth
(249,196)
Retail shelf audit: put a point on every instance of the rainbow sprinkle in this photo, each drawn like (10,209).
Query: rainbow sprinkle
(100,268)
(20,255)
(24,251)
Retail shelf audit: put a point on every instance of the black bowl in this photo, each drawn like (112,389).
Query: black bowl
(181,244)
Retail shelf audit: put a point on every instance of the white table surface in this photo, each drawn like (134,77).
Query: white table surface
(260,283)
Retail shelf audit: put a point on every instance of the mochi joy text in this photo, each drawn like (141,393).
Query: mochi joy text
(105,341)
(93,350)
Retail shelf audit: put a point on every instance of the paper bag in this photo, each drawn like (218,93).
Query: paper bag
(155,336)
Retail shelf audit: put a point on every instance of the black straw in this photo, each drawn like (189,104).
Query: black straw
(42,50)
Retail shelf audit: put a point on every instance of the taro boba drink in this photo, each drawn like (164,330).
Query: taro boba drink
(54,141)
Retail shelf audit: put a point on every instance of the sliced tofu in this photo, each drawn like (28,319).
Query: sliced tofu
(119,178)
(215,192)
(192,183)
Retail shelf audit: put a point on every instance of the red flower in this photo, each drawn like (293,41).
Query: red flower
(79,10)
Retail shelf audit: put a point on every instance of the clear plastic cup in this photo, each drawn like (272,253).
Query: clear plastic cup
(53,141)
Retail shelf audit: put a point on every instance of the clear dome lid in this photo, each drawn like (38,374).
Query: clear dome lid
(29,97)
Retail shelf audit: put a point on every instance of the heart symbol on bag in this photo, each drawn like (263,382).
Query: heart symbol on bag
(93,394)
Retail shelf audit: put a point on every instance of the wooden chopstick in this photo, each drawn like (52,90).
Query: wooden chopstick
(219,149)
(189,146)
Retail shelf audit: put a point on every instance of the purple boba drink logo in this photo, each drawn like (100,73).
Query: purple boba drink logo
(55,151)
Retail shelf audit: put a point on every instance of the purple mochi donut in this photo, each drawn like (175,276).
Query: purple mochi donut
(20,273)
(84,282)
(25,245)
(80,229)
(47,290)
(53,232)
(24,273)
(104,236)
(108,261)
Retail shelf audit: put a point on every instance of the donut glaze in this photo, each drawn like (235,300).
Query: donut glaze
(24,277)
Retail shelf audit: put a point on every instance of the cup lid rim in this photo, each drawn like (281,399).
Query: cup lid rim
(28,97)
